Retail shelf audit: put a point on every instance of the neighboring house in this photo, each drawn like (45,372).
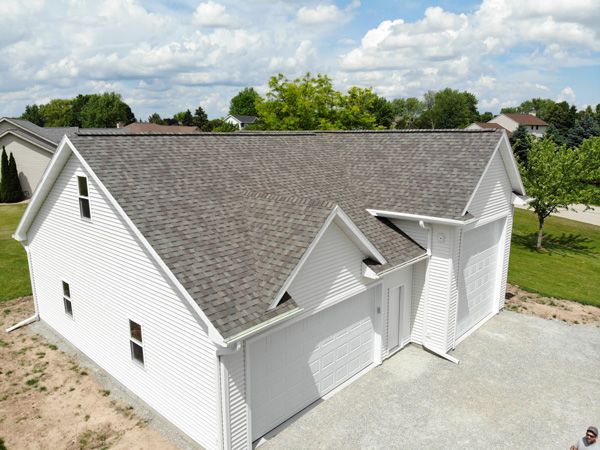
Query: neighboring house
(231,280)
(146,127)
(240,121)
(511,122)
(486,125)
(32,147)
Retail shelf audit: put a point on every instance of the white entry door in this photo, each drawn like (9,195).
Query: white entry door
(398,318)
(478,280)
(293,367)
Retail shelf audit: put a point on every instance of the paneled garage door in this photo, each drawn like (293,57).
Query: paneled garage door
(478,278)
(293,367)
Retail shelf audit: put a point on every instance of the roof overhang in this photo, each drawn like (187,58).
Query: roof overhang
(417,217)
(4,119)
(342,220)
(26,139)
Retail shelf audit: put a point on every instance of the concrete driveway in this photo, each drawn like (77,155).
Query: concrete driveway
(523,382)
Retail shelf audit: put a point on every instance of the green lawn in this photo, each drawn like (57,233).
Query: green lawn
(568,267)
(14,273)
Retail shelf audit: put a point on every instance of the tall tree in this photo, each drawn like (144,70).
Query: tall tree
(555,177)
(57,112)
(34,115)
(485,117)
(562,116)
(355,110)
(585,127)
(184,118)
(383,111)
(3,176)
(200,119)
(407,112)
(306,103)
(449,108)
(244,103)
(105,111)
(520,141)
(155,118)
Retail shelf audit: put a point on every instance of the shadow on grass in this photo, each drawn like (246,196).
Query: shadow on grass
(562,245)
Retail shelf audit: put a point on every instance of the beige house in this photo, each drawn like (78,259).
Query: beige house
(511,121)
(32,147)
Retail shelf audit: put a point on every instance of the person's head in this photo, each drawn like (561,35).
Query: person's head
(591,434)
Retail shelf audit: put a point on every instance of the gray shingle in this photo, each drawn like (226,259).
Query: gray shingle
(232,214)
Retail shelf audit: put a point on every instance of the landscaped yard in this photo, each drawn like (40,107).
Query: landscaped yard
(14,273)
(569,265)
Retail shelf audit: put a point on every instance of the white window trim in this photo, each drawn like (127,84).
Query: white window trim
(135,341)
(86,197)
(67,298)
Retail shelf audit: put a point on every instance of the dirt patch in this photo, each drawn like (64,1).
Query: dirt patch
(550,308)
(48,401)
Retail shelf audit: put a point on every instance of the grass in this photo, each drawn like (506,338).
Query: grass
(14,273)
(569,265)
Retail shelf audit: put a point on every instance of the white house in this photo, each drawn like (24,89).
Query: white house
(32,147)
(240,121)
(511,122)
(231,280)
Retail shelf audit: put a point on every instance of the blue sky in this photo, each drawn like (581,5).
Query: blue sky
(167,56)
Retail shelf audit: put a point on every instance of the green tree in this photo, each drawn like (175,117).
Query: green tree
(355,110)
(449,108)
(200,119)
(562,116)
(34,114)
(56,113)
(244,103)
(105,111)
(3,176)
(407,112)
(553,133)
(486,117)
(155,118)
(520,141)
(585,127)
(184,118)
(383,111)
(306,103)
(555,177)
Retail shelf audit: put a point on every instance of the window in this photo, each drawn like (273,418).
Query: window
(84,199)
(67,299)
(135,342)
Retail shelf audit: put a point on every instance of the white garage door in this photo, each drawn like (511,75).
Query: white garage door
(478,278)
(293,367)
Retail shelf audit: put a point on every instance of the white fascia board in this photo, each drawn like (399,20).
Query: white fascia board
(37,144)
(246,334)
(27,130)
(416,217)
(47,184)
(483,175)
(58,161)
(354,233)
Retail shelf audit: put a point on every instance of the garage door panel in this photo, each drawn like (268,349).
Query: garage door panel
(477,283)
(293,367)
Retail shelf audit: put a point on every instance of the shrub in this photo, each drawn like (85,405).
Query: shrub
(10,186)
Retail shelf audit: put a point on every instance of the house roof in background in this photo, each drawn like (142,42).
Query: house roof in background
(490,125)
(525,119)
(231,214)
(244,119)
(146,127)
(51,135)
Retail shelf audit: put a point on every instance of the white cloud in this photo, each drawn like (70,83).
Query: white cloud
(326,14)
(567,94)
(212,14)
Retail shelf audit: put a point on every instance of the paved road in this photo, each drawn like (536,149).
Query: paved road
(523,382)
(591,216)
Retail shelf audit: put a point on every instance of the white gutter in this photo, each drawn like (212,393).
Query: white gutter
(36,316)
(402,266)
(22,323)
(452,359)
(261,326)
(407,216)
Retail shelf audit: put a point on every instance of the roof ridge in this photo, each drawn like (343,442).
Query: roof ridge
(293,199)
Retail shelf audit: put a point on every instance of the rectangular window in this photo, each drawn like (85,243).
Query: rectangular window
(135,342)
(67,299)
(84,199)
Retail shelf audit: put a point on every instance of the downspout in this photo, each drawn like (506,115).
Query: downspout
(223,438)
(429,247)
(36,316)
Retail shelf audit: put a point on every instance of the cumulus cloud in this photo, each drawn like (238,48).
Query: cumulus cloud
(567,94)
(326,14)
(212,14)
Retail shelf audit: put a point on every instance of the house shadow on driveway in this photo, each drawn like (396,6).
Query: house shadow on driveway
(522,382)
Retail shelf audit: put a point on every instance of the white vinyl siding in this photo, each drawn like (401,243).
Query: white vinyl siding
(113,280)
(505,257)
(439,289)
(236,420)
(413,230)
(419,301)
(494,194)
(331,272)
(31,161)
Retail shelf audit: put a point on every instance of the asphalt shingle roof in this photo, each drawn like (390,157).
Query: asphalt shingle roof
(53,134)
(231,214)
